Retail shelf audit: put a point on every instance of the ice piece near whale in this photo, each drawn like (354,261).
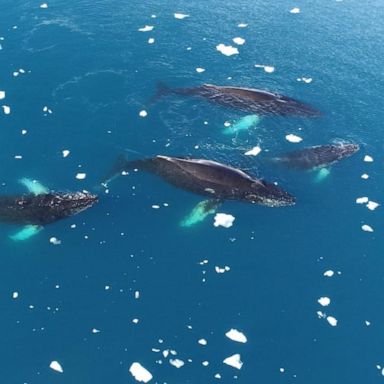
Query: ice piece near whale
(140,373)
(223,220)
(227,50)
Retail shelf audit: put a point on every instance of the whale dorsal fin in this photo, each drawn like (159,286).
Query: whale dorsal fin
(34,186)
(26,232)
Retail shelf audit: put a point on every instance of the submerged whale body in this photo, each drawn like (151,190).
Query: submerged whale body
(208,178)
(318,156)
(44,208)
(256,101)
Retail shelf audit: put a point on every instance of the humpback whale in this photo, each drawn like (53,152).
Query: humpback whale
(319,156)
(41,207)
(208,178)
(256,101)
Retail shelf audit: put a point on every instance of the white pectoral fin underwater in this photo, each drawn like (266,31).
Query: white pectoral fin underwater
(243,124)
(200,212)
(26,233)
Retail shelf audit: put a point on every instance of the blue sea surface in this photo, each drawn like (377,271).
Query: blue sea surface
(76,75)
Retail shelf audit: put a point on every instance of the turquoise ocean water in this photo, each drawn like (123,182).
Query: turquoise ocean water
(75,76)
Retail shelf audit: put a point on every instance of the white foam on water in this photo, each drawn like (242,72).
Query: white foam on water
(223,220)
(236,335)
(176,362)
(81,176)
(324,301)
(306,80)
(200,70)
(295,10)
(293,138)
(253,152)
(332,321)
(146,28)
(372,205)
(234,361)
(56,366)
(2,95)
(65,152)
(6,109)
(362,200)
(367,228)
(140,373)
(227,50)
(368,159)
(238,40)
(329,273)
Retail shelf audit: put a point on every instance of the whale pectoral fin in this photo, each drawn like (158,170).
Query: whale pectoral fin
(200,212)
(34,186)
(321,175)
(25,233)
(245,123)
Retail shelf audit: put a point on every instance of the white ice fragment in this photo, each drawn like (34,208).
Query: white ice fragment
(321,315)
(368,159)
(44,5)
(55,241)
(81,176)
(137,294)
(18,157)
(176,362)
(329,273)
(332,321)
(293,138)
(362,200)
(217,376)
(282,370)
(269,69)
(324,301)
(200,70)
(151,40)
(6,109)
(205,363)
(367,323)
(165,353)
(180,16)
(155,206)
(372,205)
(253,152)
(224,220)
(295,10)
(55,365)
(234,361)
(147,28)
(15,295)
(364,176)
(2,95)
(242,25)
(367,228)
(23,131)
(236,335)
(135,321)
(140,373)
(238,40)
(65,152)
(203,342)
(95,330)
(222,270)
(227,50)
(143,113)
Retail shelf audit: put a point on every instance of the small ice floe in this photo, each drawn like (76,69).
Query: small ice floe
(44,5)
(295,10)
(135,321)
(65,152)
(200,70)
(156,206)
(372,205)
(368,159)
(222,270)
(146,28)
(55,241)
(81,176)
(151,40)
(253,152)
(202,342)
(238,40)
(55,365)
(282,370)
(324,301)
(362,200)
(95,330)
(306,80)
(140,373)
(180,16)
(242,25)
(367,323)
(18,157)
(329,273)
(6,109)
(143,113)
(227,50)
(15,295)
(47,110)
(365,176)
(293,138)
(332,321)
(176,362)
(223,220)
(137,295)
(236,335)
(269,69)
(234,361)
(205,363)
(367,228)
(2,95)
(24,131)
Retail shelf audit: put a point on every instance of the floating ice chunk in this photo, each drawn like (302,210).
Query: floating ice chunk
(15,295)
(242,25)
(180,16)
(367,323)
(6,109)
(368,159)
(44,5)
(151,40)
(95,330)
(372,205)
(293,138)
(143,113)
(306,80)
(176,362)
(329,273)
(137,294)
(81,176)
(269,69)
(362,200)
(200,70)
(236,335)
(2,95)
(147,28)
(18,157)
(234,361)
(55,241)
(205,363)
(224,220)
(65,152)
(227,50)
(324,301)
(222,270)
(282,370)
(203,342)
(367,228)
(295,10)
(332,321)
(140,373)
(238,40)
(365,176)
(24,132)
(165,353)
(55,365)
(253,152)
(155,206)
